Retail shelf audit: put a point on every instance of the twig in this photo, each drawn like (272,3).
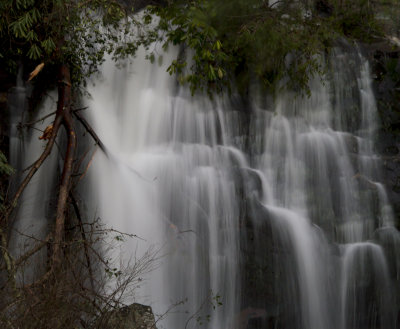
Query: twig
(160,317)
(40,281)
(123,233)
(33,251)
(87,167)
(83,234)
(79,163)
(28,124)
(197,312)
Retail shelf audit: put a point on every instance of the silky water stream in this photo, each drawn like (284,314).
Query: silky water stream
(267,213)
(273,209)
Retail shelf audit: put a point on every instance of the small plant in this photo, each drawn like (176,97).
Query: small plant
(212,300)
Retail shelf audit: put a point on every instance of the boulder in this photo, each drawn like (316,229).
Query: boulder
(134,316)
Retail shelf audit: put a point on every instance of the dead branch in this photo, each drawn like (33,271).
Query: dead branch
(36,71)
(45,278)
(83,234)
(87,167)
(91,132)
(98,141)
(29,253)
(33,251)
(130,235)
(11,205)
(79,163)
(28,124)
(169,309)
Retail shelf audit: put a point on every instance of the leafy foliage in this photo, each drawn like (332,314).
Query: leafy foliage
(356,19)
(245,41)
(78,33)
(222,41)
(5,170)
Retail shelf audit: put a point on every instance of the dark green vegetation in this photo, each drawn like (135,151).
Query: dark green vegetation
(243,41)
(230,41)
(75,33)
(225,46)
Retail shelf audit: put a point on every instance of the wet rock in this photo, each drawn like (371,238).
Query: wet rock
(386,68)
(351,143)
(134,316)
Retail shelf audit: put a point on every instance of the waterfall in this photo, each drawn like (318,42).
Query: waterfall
(275,206)
(38,200)
(266,212)
(172,182)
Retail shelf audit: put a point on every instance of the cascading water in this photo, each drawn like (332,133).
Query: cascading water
(36,203)
(171,181)
(272,208)
(278,209)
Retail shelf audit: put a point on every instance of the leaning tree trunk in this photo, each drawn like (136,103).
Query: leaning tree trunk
(64,110)
(64,118)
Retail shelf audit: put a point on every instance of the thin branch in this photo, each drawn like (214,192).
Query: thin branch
(91,132)
(56,125)
(197,312)
(79,163)
(124,234)
(87,167)
(162,316)
(33,251)
(29,124)
(98,141)
(83,234)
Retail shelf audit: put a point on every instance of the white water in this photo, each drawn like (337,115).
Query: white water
(195,177)
(38,200)
(276,206)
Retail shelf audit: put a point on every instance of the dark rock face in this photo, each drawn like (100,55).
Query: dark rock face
(6,83)
(134,316)
(386,69)
(266,281)
(262,273)
(324,8)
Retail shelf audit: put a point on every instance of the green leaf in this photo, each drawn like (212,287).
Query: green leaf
(48,45)
(18,29)
(5,168)
(34,52)
(31,36)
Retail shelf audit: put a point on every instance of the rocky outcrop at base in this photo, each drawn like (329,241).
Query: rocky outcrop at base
(134,316)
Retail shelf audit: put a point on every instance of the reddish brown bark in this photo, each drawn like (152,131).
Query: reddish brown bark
(64,107)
